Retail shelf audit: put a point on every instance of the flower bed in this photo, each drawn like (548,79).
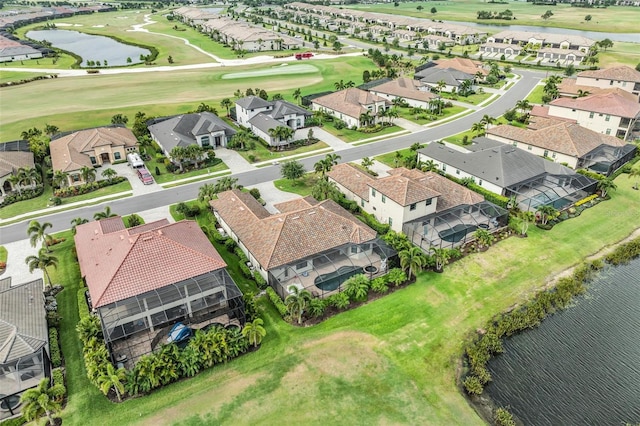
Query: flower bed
(25,194)
(86,188)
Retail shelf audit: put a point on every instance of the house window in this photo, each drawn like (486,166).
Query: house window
(553,155)
(429,201)
(362,202)
(457,171)
(390,222)
(529,148)
(608,132)
(611,83)
(444,167)
(354,249)
(412,207)
(116,155)
(546,153)
(607,118)
(384,199)
(93,160)
(480,182)
(373,192)
(591,115)
(301,265)
(75,178)
(204,141)
(286,272)
(365,247)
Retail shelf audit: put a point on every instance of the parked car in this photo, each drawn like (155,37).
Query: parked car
(145,176)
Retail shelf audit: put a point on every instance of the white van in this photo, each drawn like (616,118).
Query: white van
(134,160)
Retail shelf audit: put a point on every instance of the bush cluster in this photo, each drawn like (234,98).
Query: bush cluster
(586,200)
(83,307)
(27,80)
(372,222)
(26,194)
(54,347)
(624,253)
(277,302)
(374,129)
(590,174)
(86,188)
(187,210)
(57,379)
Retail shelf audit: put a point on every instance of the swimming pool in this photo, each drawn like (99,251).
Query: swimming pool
(332,280)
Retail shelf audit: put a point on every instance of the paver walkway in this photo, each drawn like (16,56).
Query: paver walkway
(333,141)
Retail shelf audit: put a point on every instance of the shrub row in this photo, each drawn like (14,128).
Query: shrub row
(586,200)
(371,221)
(57,379)
(87,187)
(496,199)
(624,253)
(277,302)
(83,307)
(373,129)
(590,174)
(25,194)
(27,80)
(54,347)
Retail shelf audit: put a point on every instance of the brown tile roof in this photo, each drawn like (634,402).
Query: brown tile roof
(123,263)
(569,87)
(407,88)
(604,103)
(622,73)
(560,136)
(352,101)
(452,194)
(11,161)
(542,111)
(352,178)
(71,152)
(465,65)
(403,187)
(283,238)
(292,205)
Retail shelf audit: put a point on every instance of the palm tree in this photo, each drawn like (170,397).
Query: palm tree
(207,192)
(297,95)
(225,184)
(14,180)
(606,185)
(88,174)
(441,85)
(357,287)
(487,120)
(635,173)
(478,128)
(429,166)
(484,238)
(322,166)
(104,214)
(109,174)
(412,259)
(77,221)
(465,88)
(546,212)
(42,399)
(37,232)
(366,118)
(178,154)
(339,85)
(441,257)
(60,179)
(112,379)
(254,332)
(297,302)
(226,104)
(42,261)
(366,162)
(523,105)
(582,93)
(392,114)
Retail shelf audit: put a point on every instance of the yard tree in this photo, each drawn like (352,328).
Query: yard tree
(325,190)
(546,213)
(478,128)
(297,301)
(226,183)
(254,332)
(170,59)
(50,129)
(434,10)
(112,378)
(297,95)
(635,173)
(60,179)
(441,257)
(139,127)
(109,174)
(119,119)
(179,155)
(548,14)
(42,400)
(523,105)
(484,238)
(525,218)
(605,186)
(77,221)
(38,232)
(42,261)
(587,18)
(357,287)
(88,174)
(367,162)
(105,214)
(420,8)
(292,170)
(605,44)
(207,192)
(226,104)
(134,220)
(413,260)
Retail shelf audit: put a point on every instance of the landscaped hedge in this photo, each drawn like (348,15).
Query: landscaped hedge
(496,199)
(57,379)
(26,194)
(277,302)
(83,307)
(590,174)
(86,188)
(54,348)
(369,219)
(18,421)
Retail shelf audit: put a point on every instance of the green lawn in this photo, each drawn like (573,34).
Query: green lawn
(3,254)
(390,158)
(15,76)
(613,19)
(620,54)
(92,101)
(262,153)
(475,99)
(42,202)
(166,176)
(457,138)
(535,97)
(424,117)
(299,186)
(63,62)
(392,361)
(349,135)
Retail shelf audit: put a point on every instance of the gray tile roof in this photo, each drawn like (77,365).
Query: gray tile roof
(265,122)
(181,130)
(450,76)
(253,102)
(282,108)
(23,323)
(502,165)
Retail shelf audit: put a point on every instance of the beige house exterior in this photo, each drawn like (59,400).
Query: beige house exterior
(623,77)
(413,92)
(91,148)
(348,104)
(10,163)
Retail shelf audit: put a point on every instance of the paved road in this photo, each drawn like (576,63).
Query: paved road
(125,206)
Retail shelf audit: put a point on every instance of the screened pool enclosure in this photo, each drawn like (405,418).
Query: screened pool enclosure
(323,274)
(558,191)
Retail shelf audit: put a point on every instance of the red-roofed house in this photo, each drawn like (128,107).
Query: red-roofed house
(144,279)
(309,244)
(623,77)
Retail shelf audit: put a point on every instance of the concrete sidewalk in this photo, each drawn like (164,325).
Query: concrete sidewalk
(233,160)
(333,141)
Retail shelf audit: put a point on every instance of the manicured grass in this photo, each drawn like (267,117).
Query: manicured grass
(93,100)
(262,153)
(14,76)
(457,139)
(535,97)
(349,135)
(391,160)
(63,62)
(166,176)
(300,186)
(620,54)
(613,19)
(391,361)
(43,202)
(424,117)
(3,254)
(475,99)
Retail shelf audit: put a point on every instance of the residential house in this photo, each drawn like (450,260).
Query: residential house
(541,40)
(350,104)
(309,244)
(13,157)
(499,49)
(70,152)
(433,42)
(567,143)
(144,279)
(511,172)
(622,77)
(434,77)
(413,92)
(465,65)
(14,50)
(203,128)
(431,209)
(615,113)
(569,88)
(194,16)
(262,116)
(24,342)
(561,55)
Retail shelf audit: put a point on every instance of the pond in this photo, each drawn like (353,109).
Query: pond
(581,366)
(91,47)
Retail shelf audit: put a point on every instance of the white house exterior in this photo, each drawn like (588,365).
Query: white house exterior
(623,77)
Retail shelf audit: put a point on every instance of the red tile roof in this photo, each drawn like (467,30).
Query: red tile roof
(351,102)
(613,103)
(622,73)
(404,187)
(119,263)
(352,178)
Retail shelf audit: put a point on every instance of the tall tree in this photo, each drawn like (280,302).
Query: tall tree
(60,179)
(207,192)
(292,170)
(109,174)
(226,104)
(297,302)
(119,119)
(42,261)
(38,232)
(254,331)
(297,95)
(88,174)
(43,399)
(605,186)
(440,257)
(413,260)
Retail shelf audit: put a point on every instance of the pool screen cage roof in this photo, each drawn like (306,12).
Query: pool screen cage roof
(459,223)
(558,191)
(606,159)
(191,301)
(336,264)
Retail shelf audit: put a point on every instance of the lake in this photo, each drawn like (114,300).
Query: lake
(581,366)
(91,47)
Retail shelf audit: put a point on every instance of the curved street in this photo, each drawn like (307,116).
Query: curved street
(129,205)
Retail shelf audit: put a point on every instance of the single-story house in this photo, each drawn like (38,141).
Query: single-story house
(349,104)
(554,40)
(13,157)
(24,342)
(144,279)
(465,65)
(309,244)
(414,92)
(452,78)
(431,209)
(203,128)
(567,143)
(70,152)
(261,116)
(511,172)
(15,50)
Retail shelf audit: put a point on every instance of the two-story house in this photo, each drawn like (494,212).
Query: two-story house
(622,77)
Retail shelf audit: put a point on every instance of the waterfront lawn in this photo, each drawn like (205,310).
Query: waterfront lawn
(391,361)
(349,135)
(63,62)
(300,186)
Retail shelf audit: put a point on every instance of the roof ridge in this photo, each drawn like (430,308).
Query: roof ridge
(110,279)
(280,225)
(164,236)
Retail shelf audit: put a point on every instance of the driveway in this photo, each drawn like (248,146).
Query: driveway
(272,195)
(17,268)
(233,160)
(138,187)
(333,141)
